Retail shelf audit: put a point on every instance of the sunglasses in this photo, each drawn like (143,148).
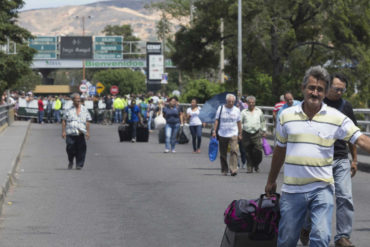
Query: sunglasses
(337,89)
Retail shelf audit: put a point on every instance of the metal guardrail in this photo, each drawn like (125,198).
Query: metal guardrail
(360,114)
(5,114)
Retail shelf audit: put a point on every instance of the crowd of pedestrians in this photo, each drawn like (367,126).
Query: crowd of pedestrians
(311,142)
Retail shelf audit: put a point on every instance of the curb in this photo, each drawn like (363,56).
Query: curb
(10,179)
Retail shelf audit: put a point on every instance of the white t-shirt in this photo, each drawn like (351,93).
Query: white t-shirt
(228,122)
(194,116)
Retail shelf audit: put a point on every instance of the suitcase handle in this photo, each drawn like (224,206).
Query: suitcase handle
(277,195)
(254,229)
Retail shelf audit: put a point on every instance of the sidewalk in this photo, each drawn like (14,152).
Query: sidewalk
(11,144)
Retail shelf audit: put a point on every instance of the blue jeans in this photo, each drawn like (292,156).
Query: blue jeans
(150,120)
(171,131)
(118,116)
(343,197)
(293,209)
(41,116)
(196,134)
(57,116)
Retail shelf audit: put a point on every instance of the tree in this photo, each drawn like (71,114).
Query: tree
(123,30)
(128,81)
(13,66)
(201,89)
(27,82)
(280,39)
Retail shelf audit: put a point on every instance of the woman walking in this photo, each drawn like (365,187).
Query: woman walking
(195,125)
(173,115)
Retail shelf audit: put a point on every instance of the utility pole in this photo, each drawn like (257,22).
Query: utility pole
(222,53)
(191,11)
(83,34)
(240,89)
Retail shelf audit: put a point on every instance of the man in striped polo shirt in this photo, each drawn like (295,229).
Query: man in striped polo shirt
(305,136)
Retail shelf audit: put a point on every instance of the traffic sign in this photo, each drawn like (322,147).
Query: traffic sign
(108,47)
(46,47)
(99,87)
(114,90)
(83,88)
(92,90)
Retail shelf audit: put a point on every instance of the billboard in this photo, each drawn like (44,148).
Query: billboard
(76,47)
(155,67)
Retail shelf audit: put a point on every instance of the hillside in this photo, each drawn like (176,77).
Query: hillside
(64,21)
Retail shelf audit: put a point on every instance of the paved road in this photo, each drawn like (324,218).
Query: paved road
(130,195)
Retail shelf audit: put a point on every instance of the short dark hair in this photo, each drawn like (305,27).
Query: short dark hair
(174,97)
(340,76)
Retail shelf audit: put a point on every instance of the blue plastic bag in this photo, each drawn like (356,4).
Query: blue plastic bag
(213,149)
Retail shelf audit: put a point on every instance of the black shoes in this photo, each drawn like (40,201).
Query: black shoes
(70,166)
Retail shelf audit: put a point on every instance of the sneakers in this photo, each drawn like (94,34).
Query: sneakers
(133,140)
(343,242)
(166,150)
(257,169)
(173,151)
(304,236)
(70,166)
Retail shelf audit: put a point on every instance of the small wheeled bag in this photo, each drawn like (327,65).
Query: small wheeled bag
(142,133)
(252,222)
(124,132)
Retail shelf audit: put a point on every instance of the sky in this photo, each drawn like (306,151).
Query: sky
(36,4)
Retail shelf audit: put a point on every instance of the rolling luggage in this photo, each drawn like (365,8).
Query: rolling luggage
(243,239)
(252,223)
(124,133)
(162,135)
(142,133)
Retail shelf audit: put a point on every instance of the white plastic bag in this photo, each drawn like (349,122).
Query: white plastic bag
(159,122)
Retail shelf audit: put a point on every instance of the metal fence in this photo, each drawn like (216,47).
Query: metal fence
(6,114)
(362,115)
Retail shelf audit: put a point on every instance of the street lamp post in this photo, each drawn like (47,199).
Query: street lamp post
(240,89)
(83,34)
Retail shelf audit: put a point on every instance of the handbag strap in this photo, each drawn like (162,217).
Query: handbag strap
(219,116)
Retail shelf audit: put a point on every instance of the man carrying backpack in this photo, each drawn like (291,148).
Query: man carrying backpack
(343,168)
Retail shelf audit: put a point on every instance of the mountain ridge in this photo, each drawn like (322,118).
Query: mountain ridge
(67,20)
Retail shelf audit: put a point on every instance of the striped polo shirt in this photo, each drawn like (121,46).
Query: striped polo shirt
(310,146)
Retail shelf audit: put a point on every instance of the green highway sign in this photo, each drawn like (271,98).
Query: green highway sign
(48,55)
(46,47)
(107,56)
(108,47)
(108,39)
(43,47)
(44,39)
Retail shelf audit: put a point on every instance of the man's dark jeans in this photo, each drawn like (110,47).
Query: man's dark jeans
(76,147)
